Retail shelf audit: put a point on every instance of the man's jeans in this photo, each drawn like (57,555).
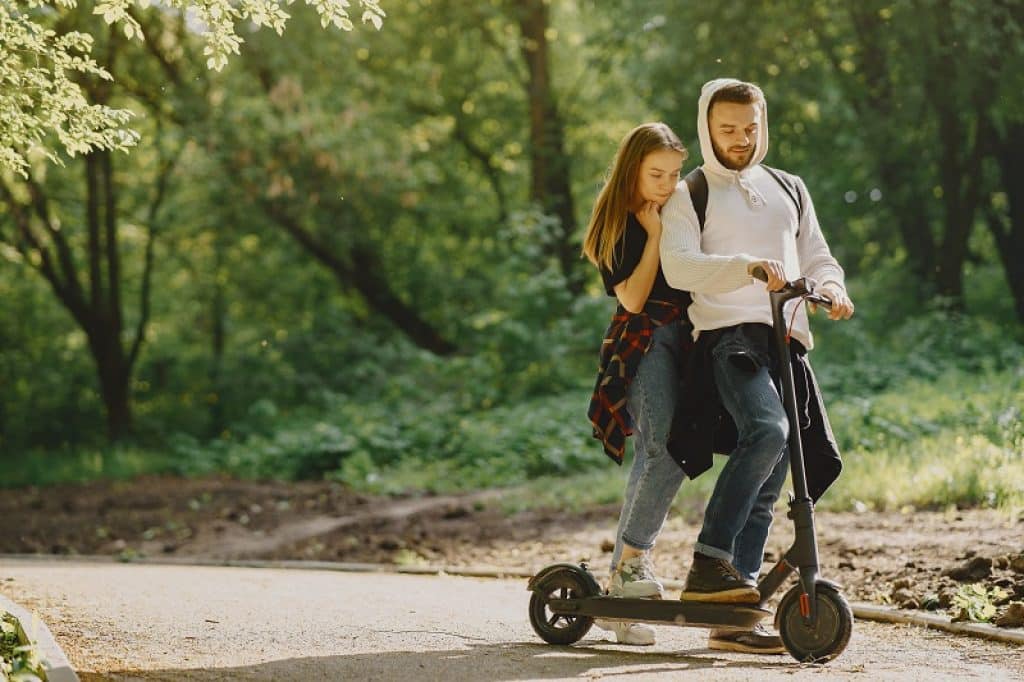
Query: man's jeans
(739,513)
(654,478)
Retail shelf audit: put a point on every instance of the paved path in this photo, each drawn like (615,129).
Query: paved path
(146,622)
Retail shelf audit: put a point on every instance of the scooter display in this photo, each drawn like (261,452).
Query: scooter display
(813,618)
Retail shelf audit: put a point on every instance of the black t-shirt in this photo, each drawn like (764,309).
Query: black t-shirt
(627,256)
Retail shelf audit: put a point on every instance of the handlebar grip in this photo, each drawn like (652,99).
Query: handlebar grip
(803,286)
(818,299)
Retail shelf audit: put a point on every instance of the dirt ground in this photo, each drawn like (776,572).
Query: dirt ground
(914,560)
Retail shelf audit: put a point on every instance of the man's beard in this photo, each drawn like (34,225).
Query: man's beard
(729,163)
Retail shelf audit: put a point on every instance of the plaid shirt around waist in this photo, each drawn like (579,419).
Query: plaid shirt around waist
(625,342)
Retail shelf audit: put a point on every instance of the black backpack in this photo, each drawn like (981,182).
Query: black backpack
(697,183)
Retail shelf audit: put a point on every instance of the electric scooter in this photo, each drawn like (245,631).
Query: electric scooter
(813,618)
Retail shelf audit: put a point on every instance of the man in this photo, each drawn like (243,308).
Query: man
(753,217)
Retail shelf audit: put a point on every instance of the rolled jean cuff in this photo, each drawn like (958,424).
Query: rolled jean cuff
(641,546)
(713,552)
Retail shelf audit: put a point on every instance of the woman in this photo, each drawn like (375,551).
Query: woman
(637,385)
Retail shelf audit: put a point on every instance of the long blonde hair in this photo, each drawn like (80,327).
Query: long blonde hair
(608,219)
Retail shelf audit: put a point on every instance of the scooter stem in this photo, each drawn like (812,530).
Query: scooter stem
(804,553)
(796,453)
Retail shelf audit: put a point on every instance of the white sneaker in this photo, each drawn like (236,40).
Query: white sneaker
(636,634)
(635,578)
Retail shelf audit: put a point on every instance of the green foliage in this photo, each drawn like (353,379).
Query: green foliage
(19,658)
(40,69)
(39,95)
(388,446)
(410,147)
(79,464)
(975,602)
(893,340)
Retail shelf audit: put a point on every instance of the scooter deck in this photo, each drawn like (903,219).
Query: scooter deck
(663,611)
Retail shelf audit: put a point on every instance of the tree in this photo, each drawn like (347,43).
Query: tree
(907,99)
(84,267)
(945,80)
(551,165)
(40,94)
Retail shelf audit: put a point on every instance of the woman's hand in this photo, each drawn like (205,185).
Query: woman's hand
(649,216)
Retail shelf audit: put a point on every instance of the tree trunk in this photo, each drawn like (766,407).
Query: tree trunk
(114,377)
(218,337)
(550,183)
(93,298)
(106,326)
(958,217)
(875,99)
(1010,237)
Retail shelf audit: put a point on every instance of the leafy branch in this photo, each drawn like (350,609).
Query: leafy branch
(40,68)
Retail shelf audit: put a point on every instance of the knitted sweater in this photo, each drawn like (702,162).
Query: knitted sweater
(748,218)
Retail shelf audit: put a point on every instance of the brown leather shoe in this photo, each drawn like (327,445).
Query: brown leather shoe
(759,640)
(717,580)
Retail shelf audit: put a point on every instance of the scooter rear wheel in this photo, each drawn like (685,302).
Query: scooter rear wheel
(556,628)
(827,637)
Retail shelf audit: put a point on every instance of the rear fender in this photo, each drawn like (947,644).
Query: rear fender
(538,583)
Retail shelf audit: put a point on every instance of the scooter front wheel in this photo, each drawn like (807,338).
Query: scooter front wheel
(556,628)
(827,637)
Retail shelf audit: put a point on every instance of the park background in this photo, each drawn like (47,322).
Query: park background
(355,256)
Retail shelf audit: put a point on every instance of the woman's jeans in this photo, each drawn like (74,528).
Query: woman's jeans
(654,478)
(739,513)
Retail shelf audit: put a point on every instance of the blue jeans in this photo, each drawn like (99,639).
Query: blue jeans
(654,477)
(739,513)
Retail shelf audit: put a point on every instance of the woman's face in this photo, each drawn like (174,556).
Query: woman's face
(659,175)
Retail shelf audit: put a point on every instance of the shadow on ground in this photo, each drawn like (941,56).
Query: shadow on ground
(504,662)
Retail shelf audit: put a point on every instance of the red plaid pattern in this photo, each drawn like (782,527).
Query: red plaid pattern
(627,339)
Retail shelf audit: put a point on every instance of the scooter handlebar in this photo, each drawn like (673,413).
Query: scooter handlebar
(801,287)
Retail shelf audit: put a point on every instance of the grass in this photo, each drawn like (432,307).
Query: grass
(79,466)
(956,439)
(967,471)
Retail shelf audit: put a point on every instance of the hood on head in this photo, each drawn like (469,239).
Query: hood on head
(707,150)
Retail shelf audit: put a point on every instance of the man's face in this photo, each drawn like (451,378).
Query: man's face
(734,132)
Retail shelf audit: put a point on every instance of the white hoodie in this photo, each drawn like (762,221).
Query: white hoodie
(749,218)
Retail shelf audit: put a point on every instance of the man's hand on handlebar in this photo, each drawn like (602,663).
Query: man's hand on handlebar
(842,306)
(776,274)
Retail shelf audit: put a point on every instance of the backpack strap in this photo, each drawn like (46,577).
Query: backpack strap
(698,186)
(790,187)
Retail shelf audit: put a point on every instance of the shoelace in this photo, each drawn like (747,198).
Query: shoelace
(727,570)
(640,568)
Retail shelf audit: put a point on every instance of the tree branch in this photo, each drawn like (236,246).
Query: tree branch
(166,167)
(29,241)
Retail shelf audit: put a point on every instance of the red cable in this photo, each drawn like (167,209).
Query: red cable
(792,319)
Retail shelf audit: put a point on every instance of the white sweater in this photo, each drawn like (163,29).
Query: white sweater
(713,265)
(749,217)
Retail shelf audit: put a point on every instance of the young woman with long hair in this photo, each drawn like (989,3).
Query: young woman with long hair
(638,382)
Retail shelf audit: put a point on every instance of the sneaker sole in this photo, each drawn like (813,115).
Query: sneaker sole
(729,645)
(746,595)
(639,594)
(621,632)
